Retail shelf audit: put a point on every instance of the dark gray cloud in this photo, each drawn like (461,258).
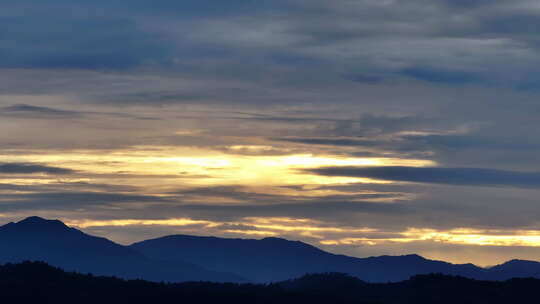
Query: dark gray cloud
(445,145)
(344,211)
(347,142)
(420,40)
(186,9)
(104,35)
(236,193)
(437,175)
(83,201)
(43,40)
(71,186)
(40,112)
(441,75)
(24,168)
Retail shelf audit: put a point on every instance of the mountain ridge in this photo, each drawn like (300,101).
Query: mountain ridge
(51,241)
(242,260)
(181,257)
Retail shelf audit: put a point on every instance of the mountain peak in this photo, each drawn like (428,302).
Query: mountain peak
(33,219)
(282,240)
(516,263)
(414,257)
(36,220)
(37,224)
(275,239)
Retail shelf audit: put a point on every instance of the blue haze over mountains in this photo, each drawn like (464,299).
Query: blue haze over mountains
(180,258)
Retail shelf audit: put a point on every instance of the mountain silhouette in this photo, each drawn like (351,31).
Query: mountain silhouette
(51,241)
(515,269)
(275,259)
(179,258)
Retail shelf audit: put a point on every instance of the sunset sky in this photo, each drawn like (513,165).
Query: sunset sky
(363,127)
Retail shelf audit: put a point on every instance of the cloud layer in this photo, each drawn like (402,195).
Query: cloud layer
(352,123)
(436,175)
(21,168)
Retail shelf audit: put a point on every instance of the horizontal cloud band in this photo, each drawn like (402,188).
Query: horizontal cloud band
(438,175)
(23,168)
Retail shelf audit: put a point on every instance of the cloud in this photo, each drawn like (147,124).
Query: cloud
(75,42)
(23,168)
(440,75)
(40,112)
(436,42)
(350,142)
(438,175)
(469,141)
(452,81)
(69,201)
(252,197)
(35,109)
(54,187)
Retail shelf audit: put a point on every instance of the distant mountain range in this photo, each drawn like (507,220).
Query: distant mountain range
(180,258)
(275,259)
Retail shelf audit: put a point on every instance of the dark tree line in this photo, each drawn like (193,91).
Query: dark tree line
(35,282)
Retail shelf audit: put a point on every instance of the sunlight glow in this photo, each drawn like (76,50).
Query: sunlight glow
(161,166)
(276,226)
(134,222)
(460,236)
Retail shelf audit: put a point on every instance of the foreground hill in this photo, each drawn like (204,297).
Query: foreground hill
(51,241)
(40,283)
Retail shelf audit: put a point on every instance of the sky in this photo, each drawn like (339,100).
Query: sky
(363,127)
